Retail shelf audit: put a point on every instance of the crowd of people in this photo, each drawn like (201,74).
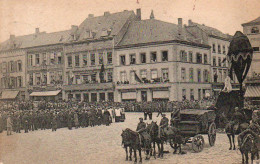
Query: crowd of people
(28,116)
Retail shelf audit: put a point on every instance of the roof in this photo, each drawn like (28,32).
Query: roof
(108,22)
(45,93)
(255,21)
(211,31)
(152,30)
(19,41)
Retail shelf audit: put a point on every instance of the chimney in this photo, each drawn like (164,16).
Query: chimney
(106,13)
(12,37)
(138,14)
(37,30)
(152,15)
(90,15)
(190,23)
(180,26)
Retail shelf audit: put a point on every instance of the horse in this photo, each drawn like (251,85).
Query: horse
(153,131)
(132,140)
(247,144)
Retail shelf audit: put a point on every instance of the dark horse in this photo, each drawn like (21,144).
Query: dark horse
(248,144)
(132,140)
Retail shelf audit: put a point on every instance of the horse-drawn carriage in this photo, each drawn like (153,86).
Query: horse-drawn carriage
(192,124)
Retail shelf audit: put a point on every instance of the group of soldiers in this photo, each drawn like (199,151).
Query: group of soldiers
(52,116)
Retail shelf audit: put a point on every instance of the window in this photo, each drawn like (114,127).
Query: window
(86,97)
(100,57)
(19,66)
(215,74)
(19,81)
(255,48)
(183,74)
(213,48)
(143,74)
(132,59)
(214,61)
(4,69)
(38,79)
(199,75)
(85,59)
(94,77)
(11,66)
(110,96)
(37,59)
(123,76)
(254,30)
(102,97)
(132,77)
(122,59)
(92,58)
(78,80)
(143,57)
(220,75)
(190,57)
(219,61)
(191,94)
(205,59)
(224,74)
(44,78)
(52,58)
(206,76)
(109,76)
(59,78)
(224,49)
(183,56)
(85,79)
(191,75)
(77,60)
(183,94)
(154,74)
(164,55)
(219,49)
(109,58)
(31,79)
(52,77)
(69,61)
(165,74)
(199,94)
(153,57)
(93,97)
(78,97)
(59,58)
(30,60)
(199,58)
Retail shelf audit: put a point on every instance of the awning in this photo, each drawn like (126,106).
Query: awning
(9,95)
(160,94)
(45,93)
(252,91)
(128,95)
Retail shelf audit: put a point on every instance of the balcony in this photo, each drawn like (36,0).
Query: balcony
(42,87)
(44,67)
(89,86)
(144,85)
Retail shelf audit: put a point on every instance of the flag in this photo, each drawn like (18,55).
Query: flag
(224,60)
(137,78)
(101,73)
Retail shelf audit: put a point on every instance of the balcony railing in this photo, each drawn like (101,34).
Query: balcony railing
(89,86)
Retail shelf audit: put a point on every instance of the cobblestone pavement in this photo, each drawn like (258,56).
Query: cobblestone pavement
(99,145)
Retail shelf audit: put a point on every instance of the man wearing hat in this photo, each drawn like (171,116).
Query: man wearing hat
(164,121)
(237,119)
(141,129)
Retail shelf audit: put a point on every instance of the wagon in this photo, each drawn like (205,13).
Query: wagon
(193,124)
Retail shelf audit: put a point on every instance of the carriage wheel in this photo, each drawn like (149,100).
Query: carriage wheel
(212,134)
(198,143)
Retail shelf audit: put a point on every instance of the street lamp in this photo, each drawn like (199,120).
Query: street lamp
(239,57)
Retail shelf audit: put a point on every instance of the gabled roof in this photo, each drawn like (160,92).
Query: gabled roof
(211,31)
(48,39)
(152,30)
(19,42)
(255,21)
(102,24)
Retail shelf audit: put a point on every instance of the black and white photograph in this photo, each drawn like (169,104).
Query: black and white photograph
(129,81)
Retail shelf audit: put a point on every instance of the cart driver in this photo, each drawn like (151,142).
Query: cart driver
(141,130)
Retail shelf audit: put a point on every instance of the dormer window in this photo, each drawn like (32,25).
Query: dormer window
(254,30)
(104,33)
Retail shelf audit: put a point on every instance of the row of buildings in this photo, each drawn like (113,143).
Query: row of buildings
(116,57)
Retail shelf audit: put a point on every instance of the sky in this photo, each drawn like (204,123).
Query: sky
(21,17)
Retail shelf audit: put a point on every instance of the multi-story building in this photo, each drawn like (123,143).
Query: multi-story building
(161,61)
(251,30)
(45,65)
(219,43)
(89,56)
(13,68)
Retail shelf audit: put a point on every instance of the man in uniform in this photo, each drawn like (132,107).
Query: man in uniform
(237,119)
(164,123)
(144,136)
